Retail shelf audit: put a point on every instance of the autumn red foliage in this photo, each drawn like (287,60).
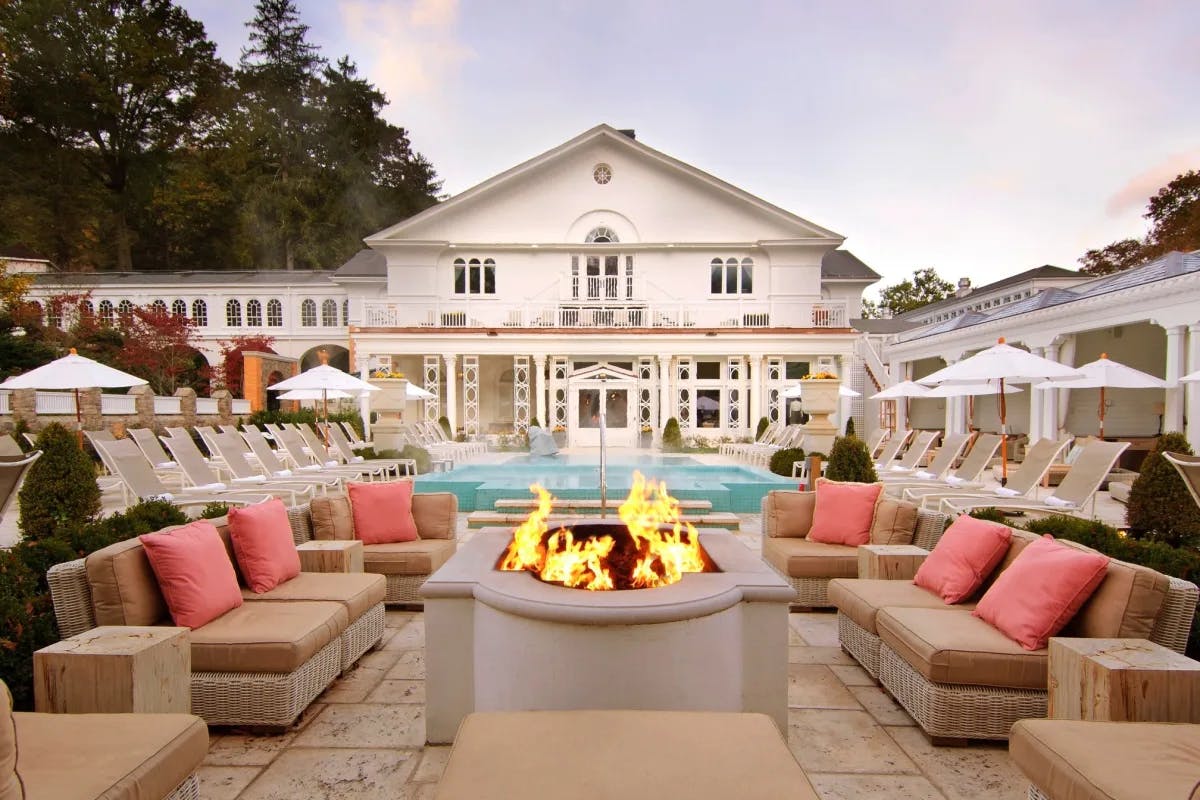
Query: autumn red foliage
(229,372)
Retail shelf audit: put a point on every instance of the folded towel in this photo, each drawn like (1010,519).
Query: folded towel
(165,465)
(954,480)
(165,497)
(1058,502)
(251,479)
(310,468)
(923,475)
(357,459)
(283,473)
(898,468)
(332,463)
(1004,491)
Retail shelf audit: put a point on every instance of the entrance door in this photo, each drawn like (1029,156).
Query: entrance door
(602,277)
(619,422)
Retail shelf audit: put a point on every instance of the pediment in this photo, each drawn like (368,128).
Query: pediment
(602,372)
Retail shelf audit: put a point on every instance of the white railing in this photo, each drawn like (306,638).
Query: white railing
(206,405)
(168,405)
(118,404)
(55,403)
(610,314)
(5,408)
(241,406)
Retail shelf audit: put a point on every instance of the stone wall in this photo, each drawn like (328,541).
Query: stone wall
(23,403)
(256,375)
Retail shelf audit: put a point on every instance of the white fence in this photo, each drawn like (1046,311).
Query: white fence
(125,404)
(63,404)
(4,407)
(167,405)
(206,405)
(55,403)
(241,406)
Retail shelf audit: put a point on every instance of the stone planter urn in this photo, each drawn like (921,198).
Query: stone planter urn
(560,438)
(820,398)
(392,395)
(646,439)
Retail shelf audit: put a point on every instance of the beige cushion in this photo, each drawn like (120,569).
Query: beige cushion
(861,599)
(1016,543)
(124,589)
(800,558)
(331,517)
(1124,606)
(10,786)
(420,557)
(357,591)
(954,647)
(603,754)
(267,637)
(109,756)
(1075,760)
(895,521)
(436,515)
(788,514)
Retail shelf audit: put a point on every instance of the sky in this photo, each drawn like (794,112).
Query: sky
(978,137)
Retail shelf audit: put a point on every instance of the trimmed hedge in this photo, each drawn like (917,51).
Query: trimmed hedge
(782,460)
(849,460)
(763,423)
(672,439)
(1160,507)
(60,488)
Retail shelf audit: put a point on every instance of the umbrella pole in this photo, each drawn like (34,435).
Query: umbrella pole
(1003,438)
(970,413)
(1101,412)
(325,415)
(78,419)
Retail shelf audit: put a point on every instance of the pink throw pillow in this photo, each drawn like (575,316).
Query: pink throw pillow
(963,558)
(194,573)
(1039,593)
(383,512)
(844,512)
(263,545)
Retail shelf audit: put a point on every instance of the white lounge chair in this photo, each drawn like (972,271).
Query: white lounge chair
(1021,481)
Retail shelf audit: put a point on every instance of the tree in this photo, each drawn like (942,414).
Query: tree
(60,490)
(1115,257)
(923,288)
(120,82)
(1160,507)
(158,347)
(229,373)
(850,460)
(1174,214)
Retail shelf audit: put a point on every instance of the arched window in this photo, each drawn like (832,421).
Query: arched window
(274,314)
(86,308)
(474,277)
(106,311)
(308,313)
(346,312)
(254,313)
(233,314)
(329,313)
(124,308)
(159,306)
(731,276)
(54,315)
(179,308)
(601,235)
(200,312)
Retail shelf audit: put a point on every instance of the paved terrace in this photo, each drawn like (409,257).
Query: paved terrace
(363,738)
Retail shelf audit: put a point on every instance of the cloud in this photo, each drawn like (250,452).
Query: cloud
(409,48)
(1141,187)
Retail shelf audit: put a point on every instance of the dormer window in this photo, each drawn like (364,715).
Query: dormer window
(601,235)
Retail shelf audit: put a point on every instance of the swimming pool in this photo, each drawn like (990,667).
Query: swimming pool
(730,487)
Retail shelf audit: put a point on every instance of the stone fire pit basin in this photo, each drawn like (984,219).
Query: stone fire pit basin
(506,641)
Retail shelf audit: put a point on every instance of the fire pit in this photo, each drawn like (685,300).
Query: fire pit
(503,640)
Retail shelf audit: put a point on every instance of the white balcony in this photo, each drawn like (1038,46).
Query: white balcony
(484,313)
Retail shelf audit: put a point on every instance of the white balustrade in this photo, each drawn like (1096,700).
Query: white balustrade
(125,404)
(5,408)
(206,405)
(168,405)
(241,406)
(55,403)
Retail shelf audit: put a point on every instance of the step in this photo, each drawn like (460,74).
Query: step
(488,519)
(586,504)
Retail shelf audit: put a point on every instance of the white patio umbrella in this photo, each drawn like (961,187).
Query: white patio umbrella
(324,379)
(414,392)
(315,394)
(1105,373)
(905,389)
(997,365)
(970,391)
(73,372)
(1192,378)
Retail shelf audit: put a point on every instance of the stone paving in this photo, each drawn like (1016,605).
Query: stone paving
(363,738)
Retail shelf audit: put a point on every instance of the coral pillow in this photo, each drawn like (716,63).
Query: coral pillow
(844,512)
(194,573)
(263,545)
(383,512)
(1039,593)
(963,558)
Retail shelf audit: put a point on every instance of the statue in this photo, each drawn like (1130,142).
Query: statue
(541,442)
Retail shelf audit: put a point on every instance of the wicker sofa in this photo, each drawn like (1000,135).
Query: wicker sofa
(404,565)
(959,677)
(810,566)
(261,663)
(109,756)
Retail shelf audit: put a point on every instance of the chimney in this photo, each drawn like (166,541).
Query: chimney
(630,132)
(964,287)
(1173,263)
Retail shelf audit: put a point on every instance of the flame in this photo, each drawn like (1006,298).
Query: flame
(665,545)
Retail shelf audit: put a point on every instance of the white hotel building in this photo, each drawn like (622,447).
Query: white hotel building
(599,259)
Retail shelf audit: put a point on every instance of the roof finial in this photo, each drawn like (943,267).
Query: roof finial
(74,352)
(323,354)
(1104,355)
(1000,340)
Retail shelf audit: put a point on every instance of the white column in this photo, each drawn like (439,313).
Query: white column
(1192,406)
(450,404)
(1035,404)
(1173,415)
(539,386)
(1049,400)
(665,406)
(950,425)
(758,365)
(364,399)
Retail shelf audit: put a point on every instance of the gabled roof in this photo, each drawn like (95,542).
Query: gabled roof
(619,139)
(599,372)
(273,277)
(366,263)
(1046,271)
(844,265)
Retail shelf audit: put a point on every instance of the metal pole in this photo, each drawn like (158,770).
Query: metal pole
(603,448)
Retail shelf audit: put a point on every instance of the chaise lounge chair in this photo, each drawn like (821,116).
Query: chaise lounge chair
(1021,481)
(965,476)
(947,454)
(912,456)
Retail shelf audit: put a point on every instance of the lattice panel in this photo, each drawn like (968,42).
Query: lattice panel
(735,369)
(433,383)
(470,390)
(558,390)
(684,370)
(521,393)
(774,376)
(646,391)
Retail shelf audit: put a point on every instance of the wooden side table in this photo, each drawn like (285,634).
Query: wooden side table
(895,562)
(331,555)
(1121,680)
(116,669)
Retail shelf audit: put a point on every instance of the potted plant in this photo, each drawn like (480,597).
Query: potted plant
(646,437)
(560,435)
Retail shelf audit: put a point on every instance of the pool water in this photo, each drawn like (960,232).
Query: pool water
(732,487)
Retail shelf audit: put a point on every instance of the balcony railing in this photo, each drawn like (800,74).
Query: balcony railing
(610,314)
